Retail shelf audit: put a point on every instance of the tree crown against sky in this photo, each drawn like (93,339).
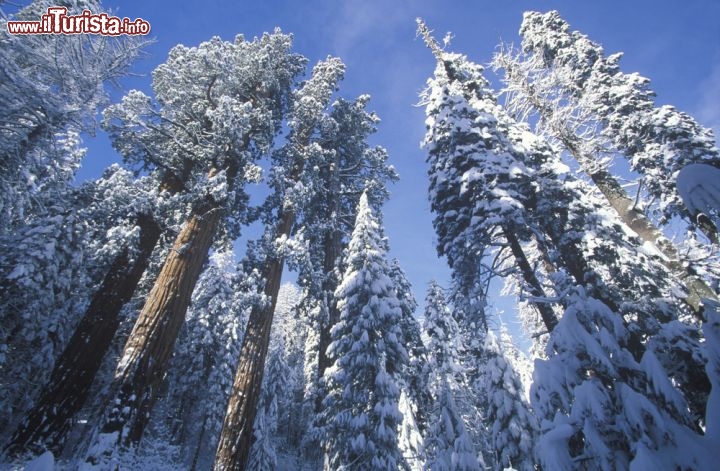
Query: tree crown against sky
(384,59)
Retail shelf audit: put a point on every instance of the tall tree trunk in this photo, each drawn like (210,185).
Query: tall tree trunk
(333,250)
(528,274)
(146,354)
(48,422)
(648,233)
(236,436)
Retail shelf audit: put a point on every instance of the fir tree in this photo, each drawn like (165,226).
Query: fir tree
(347,165)
(612,332)
(361,407)
(477,192)
(512,425)
(414,396)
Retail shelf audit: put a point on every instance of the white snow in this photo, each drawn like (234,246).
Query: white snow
(699,188)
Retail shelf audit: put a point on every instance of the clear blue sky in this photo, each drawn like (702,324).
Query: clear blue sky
(676,44)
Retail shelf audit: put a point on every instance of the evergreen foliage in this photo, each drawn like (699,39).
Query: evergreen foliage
(361,408)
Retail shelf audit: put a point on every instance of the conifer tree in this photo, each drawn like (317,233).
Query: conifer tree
(347,166)
(604,350)
(263,454)
(275,428)
(447,444)
(414,396)
(51,279)
(414,375)
(290,331)
(597,112)
(623,297)
(51,87)
(512,424)
(480,190)
(361,415)
(517,358)
(474,209)
(197,386)
(657,141)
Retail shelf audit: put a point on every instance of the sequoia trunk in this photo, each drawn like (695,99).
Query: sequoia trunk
(148,349)
(236,437)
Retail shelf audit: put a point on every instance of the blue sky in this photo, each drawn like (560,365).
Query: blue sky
(677,45)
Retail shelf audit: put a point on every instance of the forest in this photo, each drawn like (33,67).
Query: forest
(225,297)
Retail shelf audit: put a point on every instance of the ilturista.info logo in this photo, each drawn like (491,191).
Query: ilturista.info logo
(57,21)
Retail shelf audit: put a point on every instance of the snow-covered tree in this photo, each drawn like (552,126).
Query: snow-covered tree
(519,360)
(617,298)
(598,113)
(291,329)
(617,318)
(275,387)
(37,304)
(699,189)
(447,445)
(197,386)
(600,407)
(411,329)
(51,87)
(414,395)
(442,334)
(587,87)
(589,246)
(312,311)
(277,429)
(345,169)
(512,425)
(361,414)
(478,190)
(53,272)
